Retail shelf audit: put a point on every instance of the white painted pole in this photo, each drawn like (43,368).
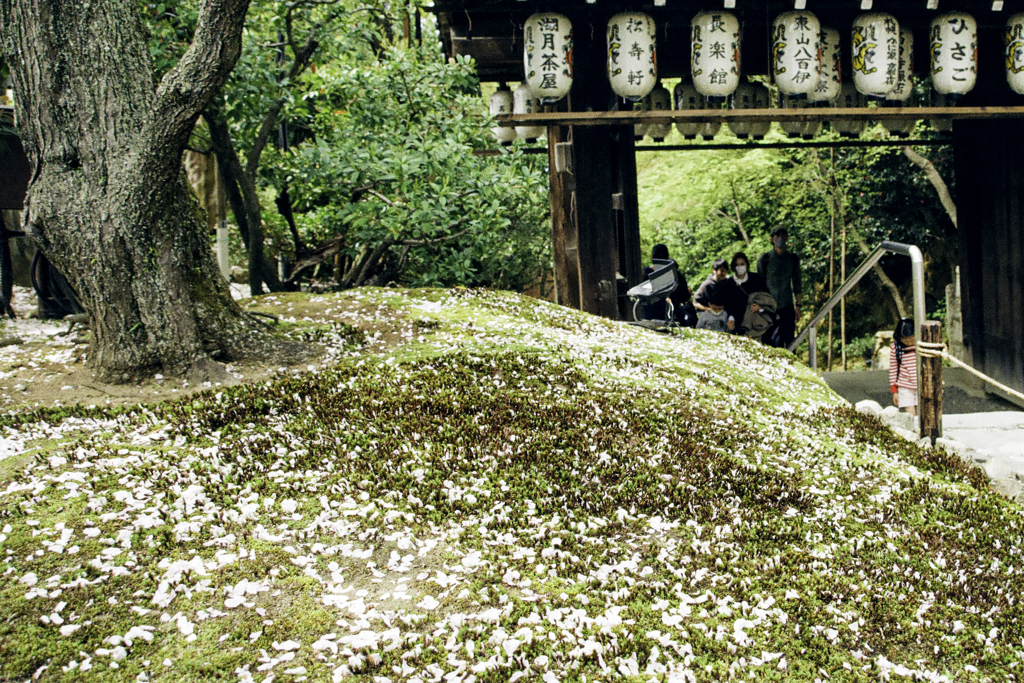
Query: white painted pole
(223,259)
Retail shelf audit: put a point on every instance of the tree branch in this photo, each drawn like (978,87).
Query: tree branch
(299,64)
(186,89)
(936,180)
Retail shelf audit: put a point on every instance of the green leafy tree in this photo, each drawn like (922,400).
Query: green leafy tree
(390,185)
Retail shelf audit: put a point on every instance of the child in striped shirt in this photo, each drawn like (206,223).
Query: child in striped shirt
(903,367)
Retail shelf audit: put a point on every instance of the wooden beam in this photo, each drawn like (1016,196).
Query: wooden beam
(795,143)
(622,118)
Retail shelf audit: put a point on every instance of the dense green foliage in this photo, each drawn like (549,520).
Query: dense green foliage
(391,158)
(373,151)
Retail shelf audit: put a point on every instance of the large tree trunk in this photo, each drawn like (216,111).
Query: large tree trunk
(108,204)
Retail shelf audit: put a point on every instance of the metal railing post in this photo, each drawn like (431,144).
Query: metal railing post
(917,277)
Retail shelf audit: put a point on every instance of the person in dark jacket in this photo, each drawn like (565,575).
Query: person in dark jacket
(717,285)
(780,269)
(680,297)
(747,283)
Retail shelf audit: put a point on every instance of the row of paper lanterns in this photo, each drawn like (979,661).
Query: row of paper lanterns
(805,56)
(756,96)
(687,98)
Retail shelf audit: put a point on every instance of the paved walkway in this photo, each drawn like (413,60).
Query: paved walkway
(982,427)
(996,442)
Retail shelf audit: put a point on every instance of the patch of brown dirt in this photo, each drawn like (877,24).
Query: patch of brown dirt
(44,363)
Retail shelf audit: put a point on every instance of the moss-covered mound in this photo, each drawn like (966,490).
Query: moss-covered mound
(494,488)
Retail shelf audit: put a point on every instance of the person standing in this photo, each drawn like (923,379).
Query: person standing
(780,269)
(903,367)
(746,284)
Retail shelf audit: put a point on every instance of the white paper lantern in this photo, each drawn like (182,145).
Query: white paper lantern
(954,53)
(905,69)
(640,129)
(744,98)
(875,53)
(793,129)
(501,103)
(709,130)
(524,102)
(762,100)
(688,99)
(715,54)
(849,98)
(943,124)
(796,53)
(900,128)
(659,99)
(632,57)
(830,83)
(901,94)
(547,56)
(1013,39)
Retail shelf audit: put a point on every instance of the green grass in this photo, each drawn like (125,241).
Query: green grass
(504,475)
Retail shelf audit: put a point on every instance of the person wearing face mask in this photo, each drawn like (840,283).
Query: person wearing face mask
(717,282)
(746,283)
(780,269)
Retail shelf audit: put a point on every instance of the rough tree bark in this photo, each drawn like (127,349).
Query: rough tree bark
(108,202)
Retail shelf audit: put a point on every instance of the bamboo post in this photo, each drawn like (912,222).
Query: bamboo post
(931,383)
(842,304)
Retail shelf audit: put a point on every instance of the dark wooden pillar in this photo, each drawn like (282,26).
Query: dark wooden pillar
(595,219)
(989,159)
(564,242)
(627,216)
(931,383)
(594,178)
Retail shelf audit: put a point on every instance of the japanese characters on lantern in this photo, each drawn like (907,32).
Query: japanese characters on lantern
(659,99)
(796,53)
(501,103)
(547,56)
(1013,40)
(905,70)
(524,102)
(715,54)
(632,57)
(745,97)
(688,99)
(849,98)
(875,53)
(953,44)
(831,80)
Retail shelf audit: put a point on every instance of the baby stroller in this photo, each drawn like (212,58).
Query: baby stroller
(662,281)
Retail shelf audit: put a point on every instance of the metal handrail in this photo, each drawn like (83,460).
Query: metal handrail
(917,277)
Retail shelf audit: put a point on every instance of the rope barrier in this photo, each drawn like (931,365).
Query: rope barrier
(933,350)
